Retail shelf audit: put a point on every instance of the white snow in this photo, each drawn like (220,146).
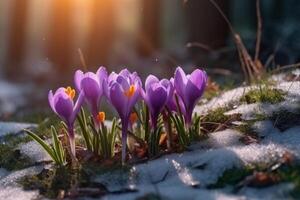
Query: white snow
(11,96)
(11,190)
(11,178)
(17,193)
(223,100)
(233,96)
(34,151)
(13,127)
(220,139)
(3,172)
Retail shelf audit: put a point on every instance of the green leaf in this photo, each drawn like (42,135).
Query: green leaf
(64,125)
(84,130)
(58,149)
(45,146)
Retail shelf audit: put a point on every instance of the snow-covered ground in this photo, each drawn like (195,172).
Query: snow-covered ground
(13,127)
(12,96)
(187,175)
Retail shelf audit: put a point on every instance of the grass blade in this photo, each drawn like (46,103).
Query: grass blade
(45,146)
(58,149)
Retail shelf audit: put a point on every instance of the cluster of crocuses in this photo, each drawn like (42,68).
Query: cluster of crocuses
(123,91)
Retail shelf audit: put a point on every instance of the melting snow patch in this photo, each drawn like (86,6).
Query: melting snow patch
(223,100)
(3,172)
(175,176)
(17,193)
(220,139)
(34,151)
(13,127)
(11,190)
(264,128)
(292,88)
(280,191)
(233,96)
(12,178)
(11,96)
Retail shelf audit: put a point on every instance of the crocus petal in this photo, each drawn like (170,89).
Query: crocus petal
(134,78)
(112,77)
(102,74)
(77,107)
(123,82)
(64,107)
(118,99)
(198,78)
(125,73)
(52,97)
(59,92)
(91,89)
(169,87)
(180,82)
(51,100)
(77,79)
(192,93)
(157,97)
(106,89)
(195,87)
(149,81)
(135,97)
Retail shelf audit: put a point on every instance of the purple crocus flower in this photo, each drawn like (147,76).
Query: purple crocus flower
(91,85)
(190,88)
(156,95)
(63,105)
(123,91)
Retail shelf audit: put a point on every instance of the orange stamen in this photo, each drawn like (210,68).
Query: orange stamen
(133,117)
(101,117)
(70,92)
(130,92)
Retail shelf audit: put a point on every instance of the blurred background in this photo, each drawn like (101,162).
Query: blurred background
(40,41)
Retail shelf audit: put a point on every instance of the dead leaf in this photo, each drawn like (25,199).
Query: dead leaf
(262,179)
(247,139)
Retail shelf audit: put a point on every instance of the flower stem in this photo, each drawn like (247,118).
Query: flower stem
(124,140)
(72,143)
(168,126)
(188,118)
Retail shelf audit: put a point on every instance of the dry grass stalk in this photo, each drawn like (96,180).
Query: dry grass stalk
(252,68)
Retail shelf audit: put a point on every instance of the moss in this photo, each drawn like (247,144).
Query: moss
(96,169)
(263,94)
(288,173)
(235,176)
(245,128)
(12,159)
(216,120)
(210,94)
(51,181)
(249,133)
(292,175)
(217,115)
(232,177)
